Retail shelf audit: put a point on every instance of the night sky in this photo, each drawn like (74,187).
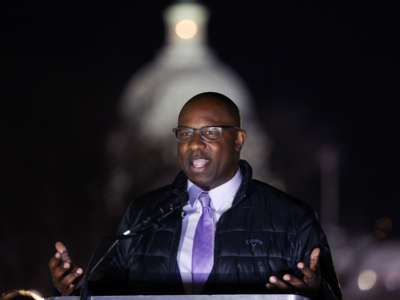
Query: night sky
(319,73)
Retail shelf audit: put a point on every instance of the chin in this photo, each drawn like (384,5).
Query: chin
(201,182)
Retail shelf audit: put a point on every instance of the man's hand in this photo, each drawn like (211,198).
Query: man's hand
(63,274)
(309,285)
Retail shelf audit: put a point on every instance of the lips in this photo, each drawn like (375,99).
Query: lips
(199,164)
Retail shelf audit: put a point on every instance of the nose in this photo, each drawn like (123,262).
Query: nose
(196,142)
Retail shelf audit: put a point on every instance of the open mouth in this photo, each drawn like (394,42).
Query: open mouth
(199,164)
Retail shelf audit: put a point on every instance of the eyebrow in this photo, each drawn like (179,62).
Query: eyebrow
(220,125)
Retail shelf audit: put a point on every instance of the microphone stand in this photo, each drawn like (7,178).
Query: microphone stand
(143,226)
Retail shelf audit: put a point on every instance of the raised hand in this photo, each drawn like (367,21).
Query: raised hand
(63,273)
(309,285)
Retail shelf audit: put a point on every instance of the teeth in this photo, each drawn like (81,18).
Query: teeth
(199,163)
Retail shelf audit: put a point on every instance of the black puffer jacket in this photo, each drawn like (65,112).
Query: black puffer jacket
(266,232)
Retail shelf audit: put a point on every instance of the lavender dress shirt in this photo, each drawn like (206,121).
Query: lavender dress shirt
(221,200)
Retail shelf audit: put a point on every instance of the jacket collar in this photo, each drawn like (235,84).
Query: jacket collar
(179,184)
(246,187)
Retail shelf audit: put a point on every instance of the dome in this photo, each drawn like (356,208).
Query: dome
(151,102)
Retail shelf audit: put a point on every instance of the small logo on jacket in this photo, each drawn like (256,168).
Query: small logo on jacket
(253,242)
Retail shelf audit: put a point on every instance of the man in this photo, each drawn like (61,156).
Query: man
(234,234)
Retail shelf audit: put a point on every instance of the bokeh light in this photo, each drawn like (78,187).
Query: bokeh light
(367,279)
(186,29)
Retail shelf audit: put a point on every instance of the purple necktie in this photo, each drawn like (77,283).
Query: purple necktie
(203,245)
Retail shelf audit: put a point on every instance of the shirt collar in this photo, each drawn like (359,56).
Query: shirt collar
(221,195)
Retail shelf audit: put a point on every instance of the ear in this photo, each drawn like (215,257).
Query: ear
(240,138)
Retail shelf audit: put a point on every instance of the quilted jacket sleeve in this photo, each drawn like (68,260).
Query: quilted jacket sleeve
(309,236)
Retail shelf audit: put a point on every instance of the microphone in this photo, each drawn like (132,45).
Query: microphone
(155,219)
(144,225)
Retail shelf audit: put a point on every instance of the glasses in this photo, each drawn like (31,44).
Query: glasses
(207,133)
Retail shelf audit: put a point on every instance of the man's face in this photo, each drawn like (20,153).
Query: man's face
(209,164)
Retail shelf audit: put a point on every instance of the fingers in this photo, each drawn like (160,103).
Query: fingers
(64,274)
(54,261)
(310,282)
(314,259)
(64,279)
(294,281)
(63,251)
(57,268)
(312,277)
(69,279)
(276,283)
(288,282)
(59,271)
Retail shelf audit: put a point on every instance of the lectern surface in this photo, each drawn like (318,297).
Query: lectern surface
(191,297)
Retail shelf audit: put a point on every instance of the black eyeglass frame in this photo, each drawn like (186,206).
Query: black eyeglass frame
(219,127)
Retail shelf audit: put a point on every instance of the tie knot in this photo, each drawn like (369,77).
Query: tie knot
(204,199)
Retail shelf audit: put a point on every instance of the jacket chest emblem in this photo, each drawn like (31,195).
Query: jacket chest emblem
(253,242)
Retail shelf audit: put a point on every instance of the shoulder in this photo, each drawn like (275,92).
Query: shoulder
(275,201)
(152,199)
(277,197)
(281,206)
(147,204)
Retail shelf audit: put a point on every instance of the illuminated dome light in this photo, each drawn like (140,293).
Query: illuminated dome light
(186,29)
(367,279)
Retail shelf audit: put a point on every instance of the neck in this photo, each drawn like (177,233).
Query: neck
(208,187)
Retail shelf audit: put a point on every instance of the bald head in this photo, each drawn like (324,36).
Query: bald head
(215,99)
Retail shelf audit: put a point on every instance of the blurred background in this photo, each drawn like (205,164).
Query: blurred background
(90,91)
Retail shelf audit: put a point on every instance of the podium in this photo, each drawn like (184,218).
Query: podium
(191,297)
